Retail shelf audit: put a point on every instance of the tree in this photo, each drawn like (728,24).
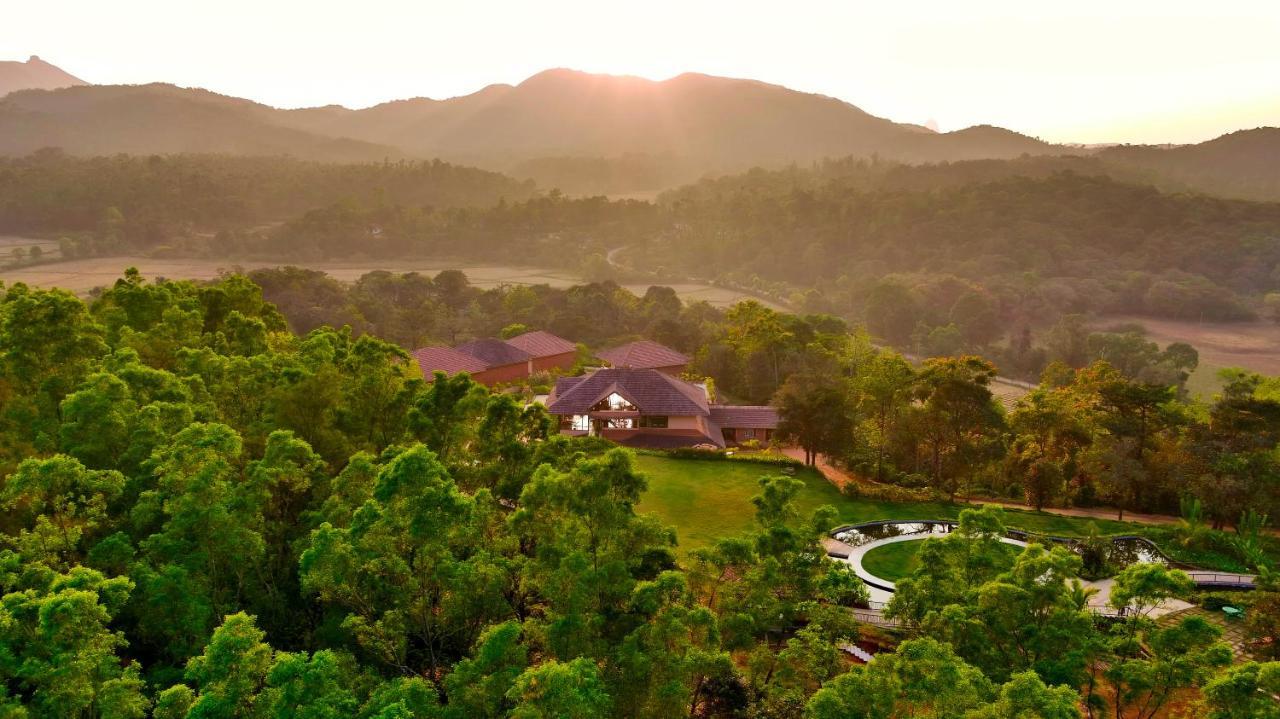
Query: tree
(413,593)
(59,508)
(923,678)
(815,412)
(1245,691)
(572,690)
(58,650)
(231,672)
(883,388)
(957,418)
(891,312)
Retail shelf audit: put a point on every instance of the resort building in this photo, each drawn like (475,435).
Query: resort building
(493,361)
(651,408)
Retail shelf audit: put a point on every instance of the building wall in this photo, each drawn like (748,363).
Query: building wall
(674,422)
(738,435)
(503,373)
(562,361)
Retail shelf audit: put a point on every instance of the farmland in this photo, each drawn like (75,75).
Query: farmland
(1252,345)
(83,275)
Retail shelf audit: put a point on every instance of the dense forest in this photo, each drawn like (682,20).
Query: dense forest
(200,203)
(209,515)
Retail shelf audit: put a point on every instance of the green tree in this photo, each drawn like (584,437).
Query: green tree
(59,651)
(572,690)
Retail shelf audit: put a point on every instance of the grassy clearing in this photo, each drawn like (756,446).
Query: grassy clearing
(706,499)
(901,559)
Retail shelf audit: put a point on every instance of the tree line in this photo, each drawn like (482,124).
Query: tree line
(209,515)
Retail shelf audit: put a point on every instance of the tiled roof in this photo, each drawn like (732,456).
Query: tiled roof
(494,352)
(447,360)
(542,344)
(562,385)
(744,416)
(642,355)
(650,390)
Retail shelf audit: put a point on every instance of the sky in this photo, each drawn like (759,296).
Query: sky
(1088,71)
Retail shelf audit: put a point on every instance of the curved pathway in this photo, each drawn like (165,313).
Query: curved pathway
(881,590)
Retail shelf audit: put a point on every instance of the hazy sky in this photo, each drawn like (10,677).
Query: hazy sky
(1085,71)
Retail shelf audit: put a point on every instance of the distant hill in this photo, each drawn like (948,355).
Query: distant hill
(588,133)
(1244,164)
(714,123)
(34,74)
(696,123)
(158,118)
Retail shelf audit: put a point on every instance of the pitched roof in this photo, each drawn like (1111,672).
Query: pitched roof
(744,416)
(494,352)
(447,360)
(642,355)
(542,344)
(650,390)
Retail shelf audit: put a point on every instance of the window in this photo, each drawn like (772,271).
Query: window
(581,423)
(614,403)
(654,421)
(621,423)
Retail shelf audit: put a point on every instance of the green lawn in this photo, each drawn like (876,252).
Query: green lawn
(900,559)
(707,499)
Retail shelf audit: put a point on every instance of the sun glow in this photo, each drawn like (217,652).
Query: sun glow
(1093,71)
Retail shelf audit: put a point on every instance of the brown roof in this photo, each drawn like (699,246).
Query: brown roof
(542,344)
(447,360)
(744,416)
(642,355)
(494,352)
(650,390)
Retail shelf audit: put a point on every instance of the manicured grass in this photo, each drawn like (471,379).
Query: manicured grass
(708,499)
(900,559)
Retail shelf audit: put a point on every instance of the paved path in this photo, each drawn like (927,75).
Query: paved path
(880,590)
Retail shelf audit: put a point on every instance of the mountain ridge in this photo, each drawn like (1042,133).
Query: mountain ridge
(585,132)
(34,74)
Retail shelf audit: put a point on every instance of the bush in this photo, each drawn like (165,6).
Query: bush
(890,493)
(1215,601)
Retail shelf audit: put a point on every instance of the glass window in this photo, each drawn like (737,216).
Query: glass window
(656,421)
(621,423)
(581,423)
(614,403)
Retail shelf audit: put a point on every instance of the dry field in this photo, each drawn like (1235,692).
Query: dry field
(1252,345)
(82,276)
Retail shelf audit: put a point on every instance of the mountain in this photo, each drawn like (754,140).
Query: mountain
(587,133)
(693,123)
(1244,164)
(714,122)
(34,74)
(157,118)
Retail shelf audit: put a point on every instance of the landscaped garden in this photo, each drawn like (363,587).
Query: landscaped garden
(705,499)
(899,559)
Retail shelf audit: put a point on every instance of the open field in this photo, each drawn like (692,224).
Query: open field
(8,243)
(83,275)
(1251,345)
(707,499)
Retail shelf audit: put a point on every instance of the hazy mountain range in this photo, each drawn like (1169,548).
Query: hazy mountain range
(607,133)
